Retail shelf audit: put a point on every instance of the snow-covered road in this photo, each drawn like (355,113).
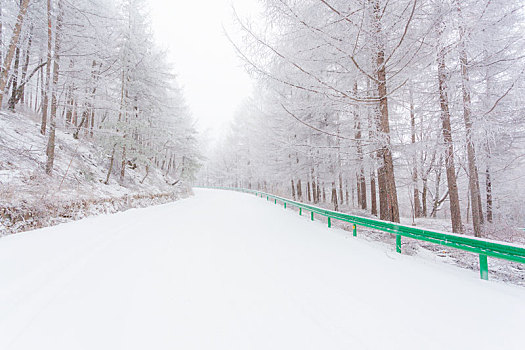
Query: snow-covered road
(225,270)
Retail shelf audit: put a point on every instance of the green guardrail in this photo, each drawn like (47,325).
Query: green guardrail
(481,246)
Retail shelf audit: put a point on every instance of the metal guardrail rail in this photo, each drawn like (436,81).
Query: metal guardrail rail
(483,247)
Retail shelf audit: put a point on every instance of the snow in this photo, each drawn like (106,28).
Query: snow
(80,171)
(80,167)
(227,270)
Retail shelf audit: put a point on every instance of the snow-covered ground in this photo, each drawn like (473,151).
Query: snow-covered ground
(79,173)
(226,270)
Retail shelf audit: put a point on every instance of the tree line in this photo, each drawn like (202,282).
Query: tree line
(92,69)
(409,107)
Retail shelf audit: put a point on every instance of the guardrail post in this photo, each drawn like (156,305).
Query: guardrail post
(284,205)
(398,243)
(355,230)
(483,267)
(266,197)
(312,215)
(329,222)
(300,211)
(275,202)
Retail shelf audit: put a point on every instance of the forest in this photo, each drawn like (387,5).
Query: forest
(402,110)
(396,109)
(84,84)
(262,174)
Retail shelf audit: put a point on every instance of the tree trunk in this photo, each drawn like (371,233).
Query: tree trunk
(488,161)
(26,65)
(373,196)
(309,198)
(50,149)
(87,114)
(488,189)
(389,183)
(372,128)
(334,197)
(475,196)
(417,203)
(20,87)
(14,87)
(54,103)
(12,47)
(42,91)
(383,197)
(424,197)
(436,202)
(362,190)
(45,98)
(123,164)
(358,190)
(314,190)
(69,107)
(74,119)
(110,168)
(37,87)
(455,211)
(147,173)
(293,190)
(361,180)
(341,198)
(92,124)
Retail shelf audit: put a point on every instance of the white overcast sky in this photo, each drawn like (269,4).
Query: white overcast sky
(212,76)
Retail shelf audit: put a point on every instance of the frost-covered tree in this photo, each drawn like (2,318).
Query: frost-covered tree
(92,69)
(392,107)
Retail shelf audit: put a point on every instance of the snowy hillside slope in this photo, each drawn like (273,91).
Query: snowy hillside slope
(225,270)
(29,197)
